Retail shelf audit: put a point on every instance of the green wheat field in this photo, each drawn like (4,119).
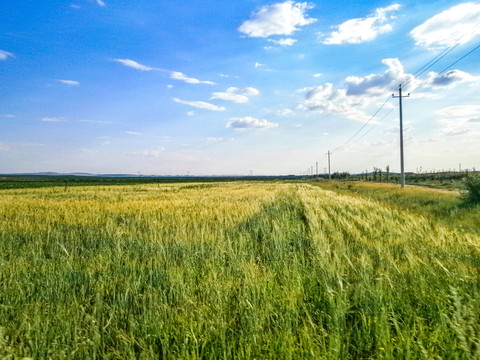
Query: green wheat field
(238,270)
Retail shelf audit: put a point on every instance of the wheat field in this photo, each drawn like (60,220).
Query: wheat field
(236,270)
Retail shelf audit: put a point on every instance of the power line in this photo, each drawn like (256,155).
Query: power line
(457,61)
(416,75)
(430,63)
(359,130)
(374,125)
(449,66)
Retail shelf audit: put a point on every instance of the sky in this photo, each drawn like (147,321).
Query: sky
(204,87)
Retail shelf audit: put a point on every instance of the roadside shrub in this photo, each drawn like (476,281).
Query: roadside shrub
(472,196)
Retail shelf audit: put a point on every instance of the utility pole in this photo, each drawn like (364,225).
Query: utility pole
(402,167)
(316,174)
(329,175)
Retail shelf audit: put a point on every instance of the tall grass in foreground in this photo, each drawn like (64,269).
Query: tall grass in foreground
(231,270)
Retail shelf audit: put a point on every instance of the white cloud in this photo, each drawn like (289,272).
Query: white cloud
(4,55)
(236,95)
(181,76)
(380,84)
(359,92)
(170,86)
(248,122)
(317,75)
(284,112)
(257,65)
(100,2)
(248,91)
(52,119)
(457,25)
(277,19)
(448,79)
(460,110)
(284,42)
(200,105)
(7,116)
(355,31)
(230,97)
(362,91)
(133,133)
(454,126)
(151,153)
(229,76)
(177,75)
(69,82)
(326,99)
(134,64)
(190,113)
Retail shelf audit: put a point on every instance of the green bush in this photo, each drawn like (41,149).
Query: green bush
(472,196)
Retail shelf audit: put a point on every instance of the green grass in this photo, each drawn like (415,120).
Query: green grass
(233,270)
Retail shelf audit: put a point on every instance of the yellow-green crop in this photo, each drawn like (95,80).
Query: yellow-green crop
(231,270)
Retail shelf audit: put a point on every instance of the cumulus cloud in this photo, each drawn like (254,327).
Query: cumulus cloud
(283,42)
(277,19)
(248,122)
(236,95)
(200,105)
(359,30)
(69,82)
(134,64)
(326,99)
(457,25)
(375,84)
(4,55)
(182,77)
(448,79)
(284,112)
(52,119)
(361,91)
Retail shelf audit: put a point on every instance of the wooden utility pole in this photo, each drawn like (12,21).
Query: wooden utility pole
(402,167)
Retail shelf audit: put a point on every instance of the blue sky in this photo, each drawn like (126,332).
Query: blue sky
(232,87)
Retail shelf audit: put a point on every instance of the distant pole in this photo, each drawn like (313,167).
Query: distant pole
(317,169)
(329,174)
(402,167)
